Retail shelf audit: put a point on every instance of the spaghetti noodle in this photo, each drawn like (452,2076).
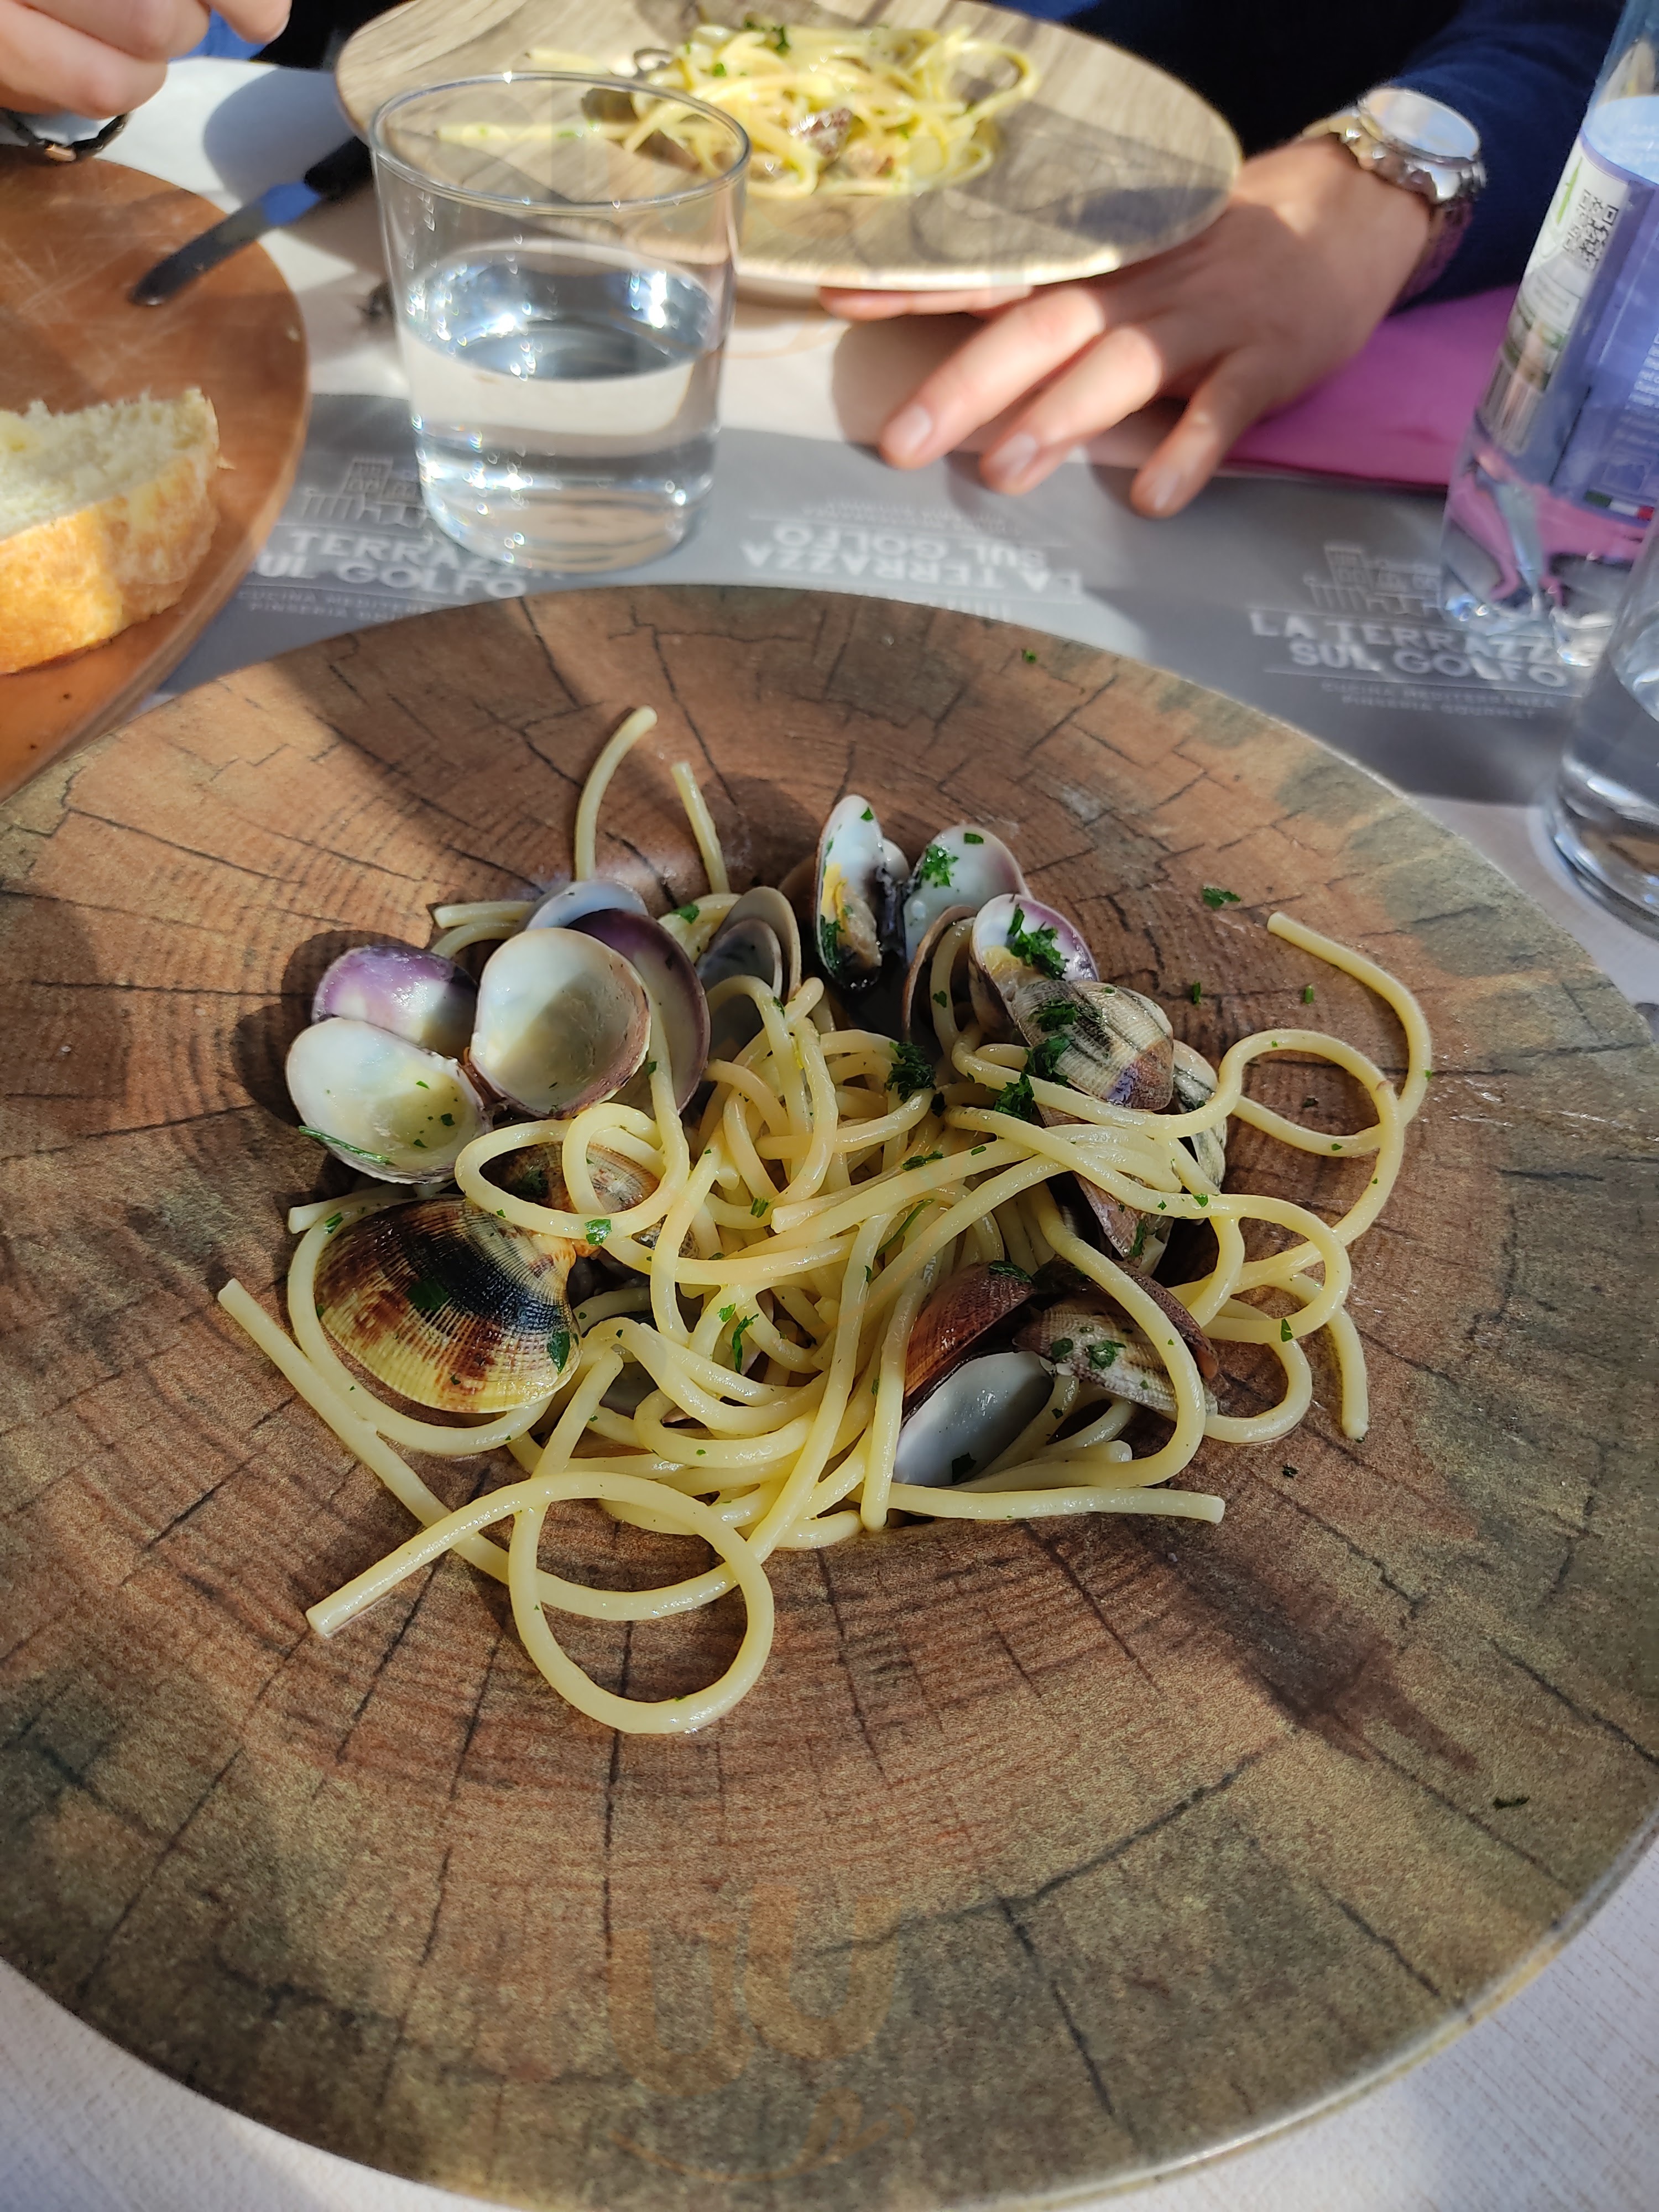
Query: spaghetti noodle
(774,1273)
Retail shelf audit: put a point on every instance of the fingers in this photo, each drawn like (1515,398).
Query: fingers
(143,30)
(260,20)
(881,307)
(1224,406)
(1110,379)
(46,65)
(988,373)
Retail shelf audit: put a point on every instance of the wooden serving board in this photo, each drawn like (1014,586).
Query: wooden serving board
(1041,1856)
(1111,161)
(72,241)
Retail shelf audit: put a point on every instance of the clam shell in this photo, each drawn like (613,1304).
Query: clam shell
(1104,1040)
(564,1021)
(962,866)
(418,995)
(668,975)
(1194,1083)
(917,1006)
(449,1306)
(962,1310)
(1092,1339)
(567,903)
(854,896)
(381,1103)
(971,1419)
(766,905)
(752,948)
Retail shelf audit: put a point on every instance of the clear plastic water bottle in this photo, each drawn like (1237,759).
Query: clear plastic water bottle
(1557,480)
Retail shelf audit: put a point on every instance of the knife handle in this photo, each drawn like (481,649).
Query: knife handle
(340,171)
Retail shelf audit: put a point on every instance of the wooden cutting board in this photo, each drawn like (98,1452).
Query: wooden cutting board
(73,239)
(1041,1857)
(1111,161)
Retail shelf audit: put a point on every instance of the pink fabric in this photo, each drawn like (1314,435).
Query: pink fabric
(1398,410)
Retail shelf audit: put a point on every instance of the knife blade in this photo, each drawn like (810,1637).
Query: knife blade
(331,179)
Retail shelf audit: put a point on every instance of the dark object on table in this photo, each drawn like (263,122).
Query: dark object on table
(317,29)
(331,179)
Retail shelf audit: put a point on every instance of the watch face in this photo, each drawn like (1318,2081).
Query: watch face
(1420,124)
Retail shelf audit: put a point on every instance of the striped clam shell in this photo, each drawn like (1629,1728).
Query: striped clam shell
(1100,1345)
(450,1306)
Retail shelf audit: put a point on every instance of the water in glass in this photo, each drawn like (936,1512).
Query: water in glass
(1606,816)
(563,399)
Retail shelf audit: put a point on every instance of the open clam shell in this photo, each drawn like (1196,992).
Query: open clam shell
(769,906)
(1016,936)
(449,1306)
(381,1103)
(760,937)
(917,1010)
(418,995)
(567,903)
(1094,1341)
(966,1425)
(563,1021)
(961,866)
(668,975)
(854,896)
(974,1301)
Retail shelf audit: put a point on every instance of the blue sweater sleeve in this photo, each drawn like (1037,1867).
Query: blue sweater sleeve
(1522,71)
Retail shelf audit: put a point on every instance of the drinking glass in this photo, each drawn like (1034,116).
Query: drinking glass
(1605,815)
(562,251)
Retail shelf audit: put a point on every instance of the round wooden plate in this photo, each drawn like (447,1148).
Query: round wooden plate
(1111,161)
(1041,1857)
(73,241)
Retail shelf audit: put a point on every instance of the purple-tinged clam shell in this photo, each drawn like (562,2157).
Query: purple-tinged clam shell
(668,975)
(418,995)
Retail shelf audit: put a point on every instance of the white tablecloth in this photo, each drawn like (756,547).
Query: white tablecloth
(1551,2102)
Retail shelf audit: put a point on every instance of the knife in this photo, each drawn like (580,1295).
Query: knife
(331,179)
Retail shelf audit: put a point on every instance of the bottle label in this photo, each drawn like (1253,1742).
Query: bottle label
(1571,248)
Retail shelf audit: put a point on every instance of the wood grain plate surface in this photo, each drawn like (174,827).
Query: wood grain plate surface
(73,240)
(1111,161)
(1041,1857)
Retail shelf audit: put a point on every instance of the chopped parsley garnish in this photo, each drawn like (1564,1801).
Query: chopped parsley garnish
(339,1144)
(1015,1098)
(781,43)
(960,1465)
(760,1208)
(719,70)
(1006,1271)
(738,1336)
(921,1206)
(596,1232)
(1058,1014)
(688,913)
(1042,1060)
(1214,896)
(922,1159)
(428,1296)
(558,1346)
(934,867)
(1139,1244)
(940,1000)
(1103,1353)
(650,1067)
(829,942)
(972,837)
(1508,1804)
(333,1221)
(1026,653)
(1195,992)
(1335,1146)
(420,1085)
(868,815)
(1035,947)
(1201,1198)
(977,1150)
(448,1120)
(1288,1472)
(1307,995)
(1061,1348)
(1285,1332)
(912,1071)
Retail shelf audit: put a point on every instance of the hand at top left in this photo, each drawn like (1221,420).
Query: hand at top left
(99,58)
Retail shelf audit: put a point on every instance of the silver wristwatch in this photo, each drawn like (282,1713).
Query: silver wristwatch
(1424,146)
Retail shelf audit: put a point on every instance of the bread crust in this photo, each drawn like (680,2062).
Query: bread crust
(80,578)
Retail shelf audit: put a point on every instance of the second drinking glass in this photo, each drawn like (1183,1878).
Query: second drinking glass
(561,252)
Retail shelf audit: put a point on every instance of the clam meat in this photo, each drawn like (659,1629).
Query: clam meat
(853,896)
(385,1106)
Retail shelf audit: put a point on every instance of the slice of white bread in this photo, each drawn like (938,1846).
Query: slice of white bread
(103,514)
